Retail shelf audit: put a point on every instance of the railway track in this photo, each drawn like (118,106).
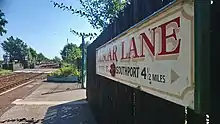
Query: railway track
(8,76)
(14,80)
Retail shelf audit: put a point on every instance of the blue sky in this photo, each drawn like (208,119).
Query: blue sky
(42,26)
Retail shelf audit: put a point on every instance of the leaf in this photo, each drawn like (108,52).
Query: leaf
(99,13)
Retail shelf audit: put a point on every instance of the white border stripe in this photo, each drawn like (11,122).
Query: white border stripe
(23,102)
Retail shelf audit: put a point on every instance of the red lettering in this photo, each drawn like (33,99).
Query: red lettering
(123,50)
(165,37)
(133,49)
(114,53)
(151,46)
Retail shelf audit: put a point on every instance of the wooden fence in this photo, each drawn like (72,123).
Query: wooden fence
(115,103)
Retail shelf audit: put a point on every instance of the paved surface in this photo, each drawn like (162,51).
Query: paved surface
(51,103)
(19,93)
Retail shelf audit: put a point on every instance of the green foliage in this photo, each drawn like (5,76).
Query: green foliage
(19,50)
(16,48)
(5,72)
(33,53)
(3,22)
(56,59)
(65,64)
(85,35)
(42,58)
(66,71)
(70,53)
(99,13)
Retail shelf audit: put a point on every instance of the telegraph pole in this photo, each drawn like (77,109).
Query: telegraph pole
(83,62)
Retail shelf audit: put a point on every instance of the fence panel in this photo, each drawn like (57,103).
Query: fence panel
(214,62)
(154,110)
(124,102)
(116,103)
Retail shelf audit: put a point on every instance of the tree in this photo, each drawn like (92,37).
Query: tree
(99,13)
(56,59)
(3,22)
(32,54)
(16,48)
(41,58)
(70,53)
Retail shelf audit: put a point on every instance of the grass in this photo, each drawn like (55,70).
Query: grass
(5,72)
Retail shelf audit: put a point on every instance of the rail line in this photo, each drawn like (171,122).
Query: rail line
(21,78)
(8,76)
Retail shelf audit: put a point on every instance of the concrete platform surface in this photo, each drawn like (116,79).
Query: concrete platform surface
(51,103)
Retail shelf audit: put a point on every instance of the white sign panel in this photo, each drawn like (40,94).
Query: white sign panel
(156,56)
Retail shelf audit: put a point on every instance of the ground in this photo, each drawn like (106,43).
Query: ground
(47,103)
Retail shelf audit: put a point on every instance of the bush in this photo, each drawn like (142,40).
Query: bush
(64,64)
(66,71)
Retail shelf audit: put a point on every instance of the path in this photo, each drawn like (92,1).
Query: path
(19,93)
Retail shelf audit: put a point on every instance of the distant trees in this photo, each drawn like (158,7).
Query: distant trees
(41,58)
(3,22)
(18,50)
(70,53)
(56,59)
(32,55)
(15,48)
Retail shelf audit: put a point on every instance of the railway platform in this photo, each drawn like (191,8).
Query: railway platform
(51,103)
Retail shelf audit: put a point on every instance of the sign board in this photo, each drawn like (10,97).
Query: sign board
(156,55)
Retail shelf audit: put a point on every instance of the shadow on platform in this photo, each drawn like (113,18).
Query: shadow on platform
(60,91)
(77,112)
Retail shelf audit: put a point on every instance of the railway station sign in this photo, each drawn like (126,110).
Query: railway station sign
(156,55)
